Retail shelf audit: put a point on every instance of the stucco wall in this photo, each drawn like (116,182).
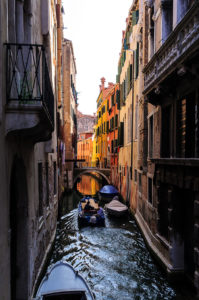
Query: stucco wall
(39,230)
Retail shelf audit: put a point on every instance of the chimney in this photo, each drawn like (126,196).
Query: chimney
(102,83)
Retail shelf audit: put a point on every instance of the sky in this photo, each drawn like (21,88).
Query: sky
(95,29)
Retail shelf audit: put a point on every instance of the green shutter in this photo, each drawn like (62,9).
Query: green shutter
(137,16)
(121,93)
(121,134)
(134,18)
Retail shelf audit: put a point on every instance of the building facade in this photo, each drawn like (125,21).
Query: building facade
(85,149)
(85,123)
(102,125)
(112,132)
(28,141)
(130,93)
(60,105)
(70,111)
(169,195)
(85,130)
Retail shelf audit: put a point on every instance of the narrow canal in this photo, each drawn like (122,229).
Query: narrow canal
(114,259)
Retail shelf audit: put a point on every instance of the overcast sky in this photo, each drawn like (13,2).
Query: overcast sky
(95,29)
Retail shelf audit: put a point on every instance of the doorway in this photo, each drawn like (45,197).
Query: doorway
(19,231)
(183,205)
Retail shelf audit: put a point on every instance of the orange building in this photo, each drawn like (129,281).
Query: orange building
(113,116)
(85,149)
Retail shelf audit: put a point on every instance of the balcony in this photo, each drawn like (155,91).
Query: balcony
(29,95)
(174,56)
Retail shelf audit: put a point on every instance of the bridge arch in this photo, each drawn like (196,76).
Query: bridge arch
(90,171)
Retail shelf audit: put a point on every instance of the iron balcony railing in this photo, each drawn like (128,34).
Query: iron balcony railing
(182,42)
(27,76)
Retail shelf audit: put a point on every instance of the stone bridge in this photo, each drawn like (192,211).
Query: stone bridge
(105,173)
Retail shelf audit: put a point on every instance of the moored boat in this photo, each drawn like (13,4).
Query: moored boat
(107,193)
(116,208)
(62,282)
(90,213)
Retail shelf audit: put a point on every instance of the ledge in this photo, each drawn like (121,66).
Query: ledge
(30,120)
(189,162)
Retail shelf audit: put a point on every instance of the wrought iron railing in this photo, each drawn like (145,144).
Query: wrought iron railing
(27,76)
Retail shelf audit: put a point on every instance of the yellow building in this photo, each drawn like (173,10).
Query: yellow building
(102,124)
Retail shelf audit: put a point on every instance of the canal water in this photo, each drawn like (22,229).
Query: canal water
(114,259)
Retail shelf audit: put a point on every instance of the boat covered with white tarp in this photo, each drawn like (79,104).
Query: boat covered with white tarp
(116,208)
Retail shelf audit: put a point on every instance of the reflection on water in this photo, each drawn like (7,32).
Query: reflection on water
(90,184)
(113,259)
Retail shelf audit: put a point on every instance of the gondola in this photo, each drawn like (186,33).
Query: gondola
(62,282)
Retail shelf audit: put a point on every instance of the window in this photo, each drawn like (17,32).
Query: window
(129,133)
(136,61)
(116,121)
(115,146)
(40,189)
(140,182)
(124,90)
(135,175)
(118,98)
(112,146)
(112,100)
(55,177)
(166,132)
(136,118)
(167,20)
(180,128)
(150,145)
(151,33)
(47,186)
(135,17)
(107,126)
(124,171)
(121,134)
(187,127)
(150,190)
(112,123)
